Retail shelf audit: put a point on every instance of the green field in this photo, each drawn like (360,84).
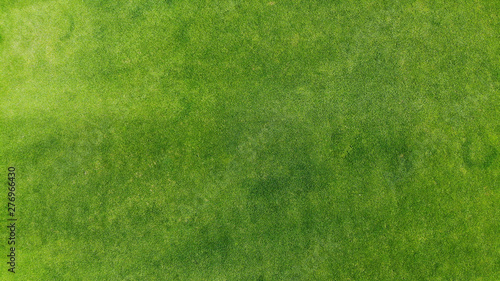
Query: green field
(251,140)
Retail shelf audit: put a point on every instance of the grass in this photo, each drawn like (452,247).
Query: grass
(238,140)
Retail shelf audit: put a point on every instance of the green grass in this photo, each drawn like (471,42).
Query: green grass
(252,140)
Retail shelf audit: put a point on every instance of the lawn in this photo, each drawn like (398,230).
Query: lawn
(251,140)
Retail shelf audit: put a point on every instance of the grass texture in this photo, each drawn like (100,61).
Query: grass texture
(252,140)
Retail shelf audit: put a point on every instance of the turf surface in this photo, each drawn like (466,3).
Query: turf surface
(252,140)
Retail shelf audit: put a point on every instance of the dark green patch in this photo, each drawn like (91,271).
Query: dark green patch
(70,30)
(268,187)
(477,152)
